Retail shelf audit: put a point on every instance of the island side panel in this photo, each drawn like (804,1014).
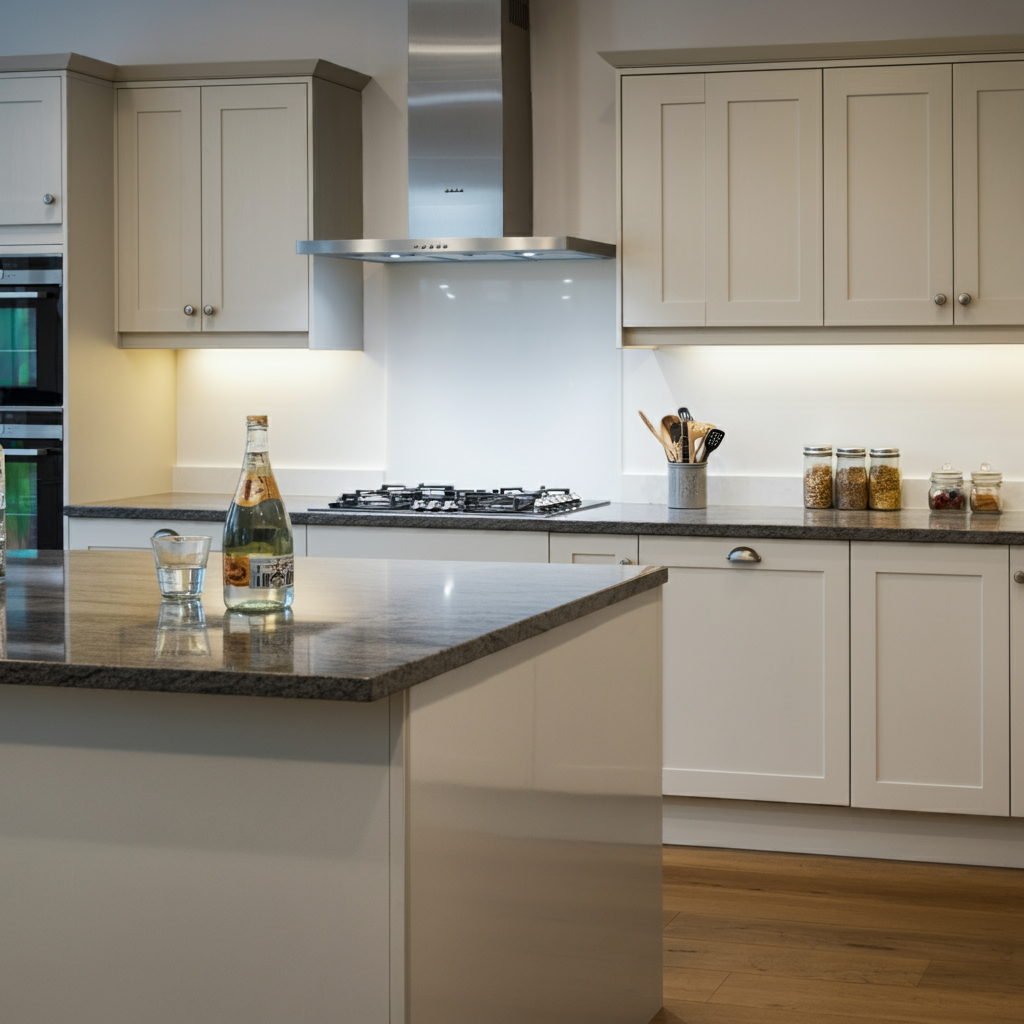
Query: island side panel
(174,858)
(534,829)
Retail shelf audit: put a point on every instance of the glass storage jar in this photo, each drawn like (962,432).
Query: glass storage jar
(818,476)
(986,490)
(885,483)
(851,478)
(946,490)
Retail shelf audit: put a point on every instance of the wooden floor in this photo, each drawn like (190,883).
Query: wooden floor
(777,938)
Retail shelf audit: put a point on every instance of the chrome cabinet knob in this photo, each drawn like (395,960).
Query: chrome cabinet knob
(208,310)
(48,200)
(189,310)
(1018,577)
(625,561)
(940,299)
(964,299)
(743,555)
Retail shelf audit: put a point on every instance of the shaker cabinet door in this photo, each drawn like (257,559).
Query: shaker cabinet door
(663,200)
(988,175)
(1017,682)
(30,151)
(764,244)
(159,206)
(593,548)
(929,677)
(888,195)
(756,668)
(255,207)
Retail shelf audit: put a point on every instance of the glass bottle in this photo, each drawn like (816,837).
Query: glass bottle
(818,476)
(986,489)
(885,482)
(851,478)
(259,560)
(946,490)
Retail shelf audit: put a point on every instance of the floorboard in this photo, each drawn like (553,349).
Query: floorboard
(769,938)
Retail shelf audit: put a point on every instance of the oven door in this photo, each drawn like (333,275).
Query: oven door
(34,505)
(31,345)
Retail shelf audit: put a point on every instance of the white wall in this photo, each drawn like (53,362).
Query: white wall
(543,356)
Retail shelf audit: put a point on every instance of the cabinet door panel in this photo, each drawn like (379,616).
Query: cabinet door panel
(764,242)
(888,195)
(255,207)
(1016,684)
(30,151)
(756,669)
(930,678)
(663,200)
(159,209)
(988,172)
(593,548)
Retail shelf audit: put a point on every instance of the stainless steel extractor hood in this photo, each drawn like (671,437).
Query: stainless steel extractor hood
(470,144)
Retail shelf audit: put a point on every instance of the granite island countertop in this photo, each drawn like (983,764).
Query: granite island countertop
(767,521)
(360,629)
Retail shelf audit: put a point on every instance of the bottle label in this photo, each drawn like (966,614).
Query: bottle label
(256,489)
(259,572)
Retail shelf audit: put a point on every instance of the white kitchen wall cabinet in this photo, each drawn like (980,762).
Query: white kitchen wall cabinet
(721,199)
(444,544)
(888,195)
(594,548)
(763,221)
(1017,682)
(756,668)
(160,204)
(216,184)
(662,244)
(988,169)
(930,677)
(31,180)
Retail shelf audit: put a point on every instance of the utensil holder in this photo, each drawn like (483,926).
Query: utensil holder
(687,485)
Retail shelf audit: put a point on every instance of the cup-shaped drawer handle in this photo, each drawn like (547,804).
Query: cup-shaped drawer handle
(743,555)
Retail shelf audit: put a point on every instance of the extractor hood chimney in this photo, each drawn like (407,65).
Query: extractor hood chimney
(470,144)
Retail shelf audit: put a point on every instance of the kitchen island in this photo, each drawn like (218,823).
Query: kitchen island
(429,792)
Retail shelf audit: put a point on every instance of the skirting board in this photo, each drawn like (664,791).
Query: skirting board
(843,831)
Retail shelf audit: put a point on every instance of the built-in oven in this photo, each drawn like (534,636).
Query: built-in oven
(31,331)
(32,399)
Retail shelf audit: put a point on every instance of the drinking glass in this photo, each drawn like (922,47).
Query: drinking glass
(180,564)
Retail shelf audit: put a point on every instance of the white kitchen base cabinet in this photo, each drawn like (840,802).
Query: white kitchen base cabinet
(134,534)
(1016,683)
(930,675)
(443,544)
(594,548)
(756,668)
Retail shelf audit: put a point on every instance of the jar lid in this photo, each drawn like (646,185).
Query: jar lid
(986,476)
(947,475)
(852,453)
(817,449)
(883,453)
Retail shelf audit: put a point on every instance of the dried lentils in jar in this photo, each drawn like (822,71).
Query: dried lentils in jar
(851,478)
(818,476)
(885,482)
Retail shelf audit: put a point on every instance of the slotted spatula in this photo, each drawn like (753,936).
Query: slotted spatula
(712,439)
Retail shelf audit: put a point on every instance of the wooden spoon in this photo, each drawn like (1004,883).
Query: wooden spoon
(650,426)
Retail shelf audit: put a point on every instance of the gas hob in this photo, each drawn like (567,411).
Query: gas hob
(445,499)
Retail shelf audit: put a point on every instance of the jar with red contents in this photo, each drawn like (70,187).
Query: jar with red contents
(946,492)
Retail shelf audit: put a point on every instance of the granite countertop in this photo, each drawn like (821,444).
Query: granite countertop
(769,521)
(359,630)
